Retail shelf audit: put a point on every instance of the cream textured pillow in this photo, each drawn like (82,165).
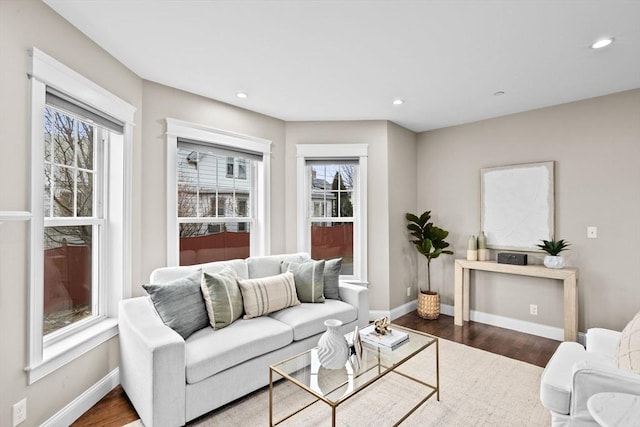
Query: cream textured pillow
(268,294)
(629,346)
(222,297)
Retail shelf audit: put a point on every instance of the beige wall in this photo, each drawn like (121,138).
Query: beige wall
(596,146)
(373,133)
(403,260)
(25,24)
(161,102)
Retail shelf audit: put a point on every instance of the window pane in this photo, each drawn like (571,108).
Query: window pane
(333,240)
(85,145)
(207,242)
(63,191)
(67,276)
(60,131)
(85,194)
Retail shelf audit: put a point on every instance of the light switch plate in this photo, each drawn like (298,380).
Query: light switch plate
(592,232)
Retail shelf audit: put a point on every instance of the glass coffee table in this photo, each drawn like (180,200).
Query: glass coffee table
(334,387)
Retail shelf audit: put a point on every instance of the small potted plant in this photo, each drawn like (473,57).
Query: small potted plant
(429,241)
(553,249)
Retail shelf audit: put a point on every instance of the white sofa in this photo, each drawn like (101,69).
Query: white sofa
(170,380)
(576,373)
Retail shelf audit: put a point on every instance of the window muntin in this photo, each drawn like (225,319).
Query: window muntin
(214,205)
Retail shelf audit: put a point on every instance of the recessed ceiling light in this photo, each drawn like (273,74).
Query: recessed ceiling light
(498,93)
(398,101)
(602,43)
(242,95)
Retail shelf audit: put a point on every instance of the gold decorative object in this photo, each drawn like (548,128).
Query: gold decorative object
(382,325)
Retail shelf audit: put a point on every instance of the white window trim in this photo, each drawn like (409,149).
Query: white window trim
(46,71)
(261,232)
(328,152)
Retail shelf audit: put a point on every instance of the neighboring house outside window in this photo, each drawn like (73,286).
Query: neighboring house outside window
(217,182)
(332,205)
(81,179)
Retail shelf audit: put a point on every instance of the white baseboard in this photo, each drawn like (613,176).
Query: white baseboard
(85,401)
(537,329)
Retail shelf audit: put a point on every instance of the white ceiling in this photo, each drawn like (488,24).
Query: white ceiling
(347,60)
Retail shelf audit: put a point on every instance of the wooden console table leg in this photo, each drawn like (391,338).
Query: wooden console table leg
(465,294)
(457,295)
(571,308)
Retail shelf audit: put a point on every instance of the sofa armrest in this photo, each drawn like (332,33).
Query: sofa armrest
(152,364)
(591,377)
(357,296)
(603,341)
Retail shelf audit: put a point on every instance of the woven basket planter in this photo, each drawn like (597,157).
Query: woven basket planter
(429,305)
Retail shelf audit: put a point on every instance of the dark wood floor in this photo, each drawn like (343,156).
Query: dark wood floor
(115,410)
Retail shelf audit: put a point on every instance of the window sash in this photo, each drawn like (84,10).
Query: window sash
(179,134)
(309,155)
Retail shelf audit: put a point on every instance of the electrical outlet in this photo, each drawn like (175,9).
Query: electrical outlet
(20,412)
(533,309)
(592,232)
(409,292)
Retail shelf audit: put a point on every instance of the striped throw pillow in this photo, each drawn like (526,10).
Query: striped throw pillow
(268,294)
(309,279)
(222,297)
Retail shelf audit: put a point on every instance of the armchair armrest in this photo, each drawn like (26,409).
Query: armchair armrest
(152,364)
(593,376)
(357,296)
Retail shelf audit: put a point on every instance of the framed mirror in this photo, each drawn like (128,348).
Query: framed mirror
(517,205)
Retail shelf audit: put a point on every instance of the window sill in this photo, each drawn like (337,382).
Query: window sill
(68,349)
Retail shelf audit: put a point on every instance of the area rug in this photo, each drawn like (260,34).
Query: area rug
(477,388)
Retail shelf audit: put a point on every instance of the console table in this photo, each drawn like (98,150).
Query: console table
(569,276)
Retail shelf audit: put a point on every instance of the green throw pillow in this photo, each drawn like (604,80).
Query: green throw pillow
(222,297)
(309,279)
(332,278)
(180,304)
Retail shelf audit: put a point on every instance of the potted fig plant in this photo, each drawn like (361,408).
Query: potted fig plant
(553,249)
(430,242)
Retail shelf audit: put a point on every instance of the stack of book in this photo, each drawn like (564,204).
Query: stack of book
(389,341)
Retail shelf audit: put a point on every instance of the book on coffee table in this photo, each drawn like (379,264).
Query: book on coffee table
(391,340)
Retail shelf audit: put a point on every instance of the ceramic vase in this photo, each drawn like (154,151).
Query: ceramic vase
(551,261)
(333,350)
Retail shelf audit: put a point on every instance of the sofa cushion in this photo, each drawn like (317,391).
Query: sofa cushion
(332,278)
(309,279)
(265,266)
(222,297)
(308,319)
(180,304)
(628,352)
(209,352)
(268,294)
(167,274)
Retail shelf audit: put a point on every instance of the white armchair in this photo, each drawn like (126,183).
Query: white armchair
(574,374)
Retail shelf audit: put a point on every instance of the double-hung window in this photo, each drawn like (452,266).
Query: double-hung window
(332,205)
(80,253)
(218,194)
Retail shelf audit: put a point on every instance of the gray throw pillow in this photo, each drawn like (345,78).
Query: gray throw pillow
(309,279)
(180,304)
(332,278)
(222,297)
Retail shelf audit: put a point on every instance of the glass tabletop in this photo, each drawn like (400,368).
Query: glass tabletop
(336,385)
